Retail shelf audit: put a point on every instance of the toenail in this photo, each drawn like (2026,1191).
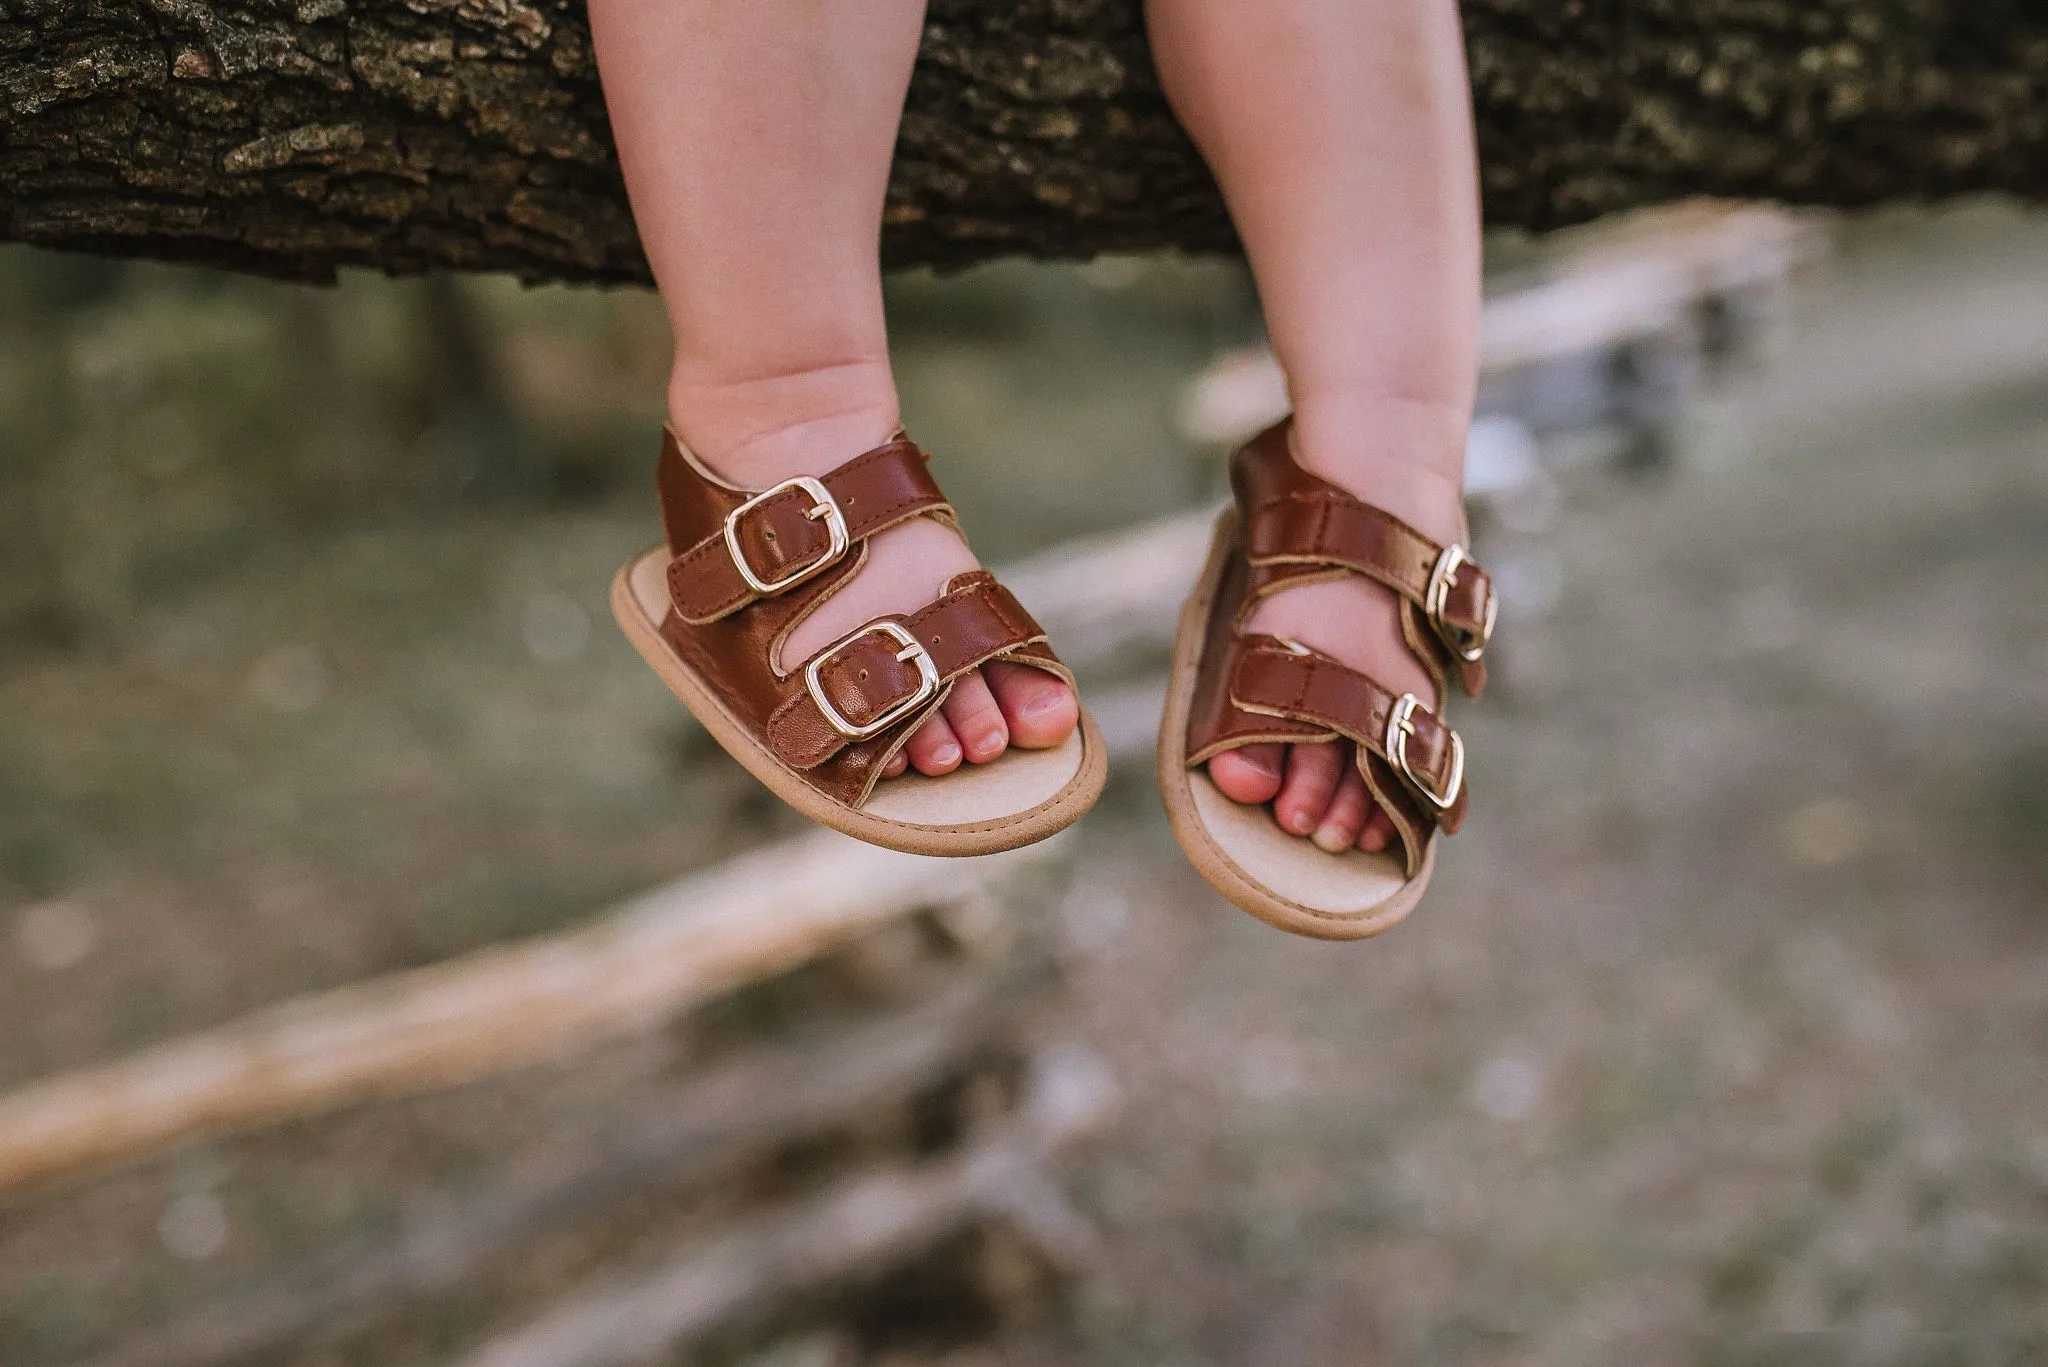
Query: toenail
(1300,820)
(1041,706)
(1331,839)
(948,753)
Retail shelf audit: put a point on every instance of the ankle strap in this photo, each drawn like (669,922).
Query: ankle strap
(1329,527)
(1298,524)
(734,547)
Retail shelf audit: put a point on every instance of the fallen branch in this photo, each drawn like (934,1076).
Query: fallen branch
(507,1007)
(851,1230)
(1102,595)
(407,135)
(488,1012)
(743,1111)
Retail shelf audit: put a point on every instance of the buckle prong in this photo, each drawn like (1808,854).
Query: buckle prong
(823,505)
(1400,726)
(1466,645)
(913,649)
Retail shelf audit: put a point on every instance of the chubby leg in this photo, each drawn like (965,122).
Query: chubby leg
(1341,134)
(756,140)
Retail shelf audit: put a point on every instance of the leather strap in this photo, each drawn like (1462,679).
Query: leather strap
(1326,526)
(1271,677)
(878,685)
(1253,689)
(782,537)
(865,676)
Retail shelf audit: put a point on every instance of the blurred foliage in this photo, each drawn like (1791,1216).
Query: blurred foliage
(302,595)
(153,416)
(156,419)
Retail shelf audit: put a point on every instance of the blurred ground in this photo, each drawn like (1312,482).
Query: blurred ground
(1723,1039)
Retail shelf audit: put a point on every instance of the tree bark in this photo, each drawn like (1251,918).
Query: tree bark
(292,137)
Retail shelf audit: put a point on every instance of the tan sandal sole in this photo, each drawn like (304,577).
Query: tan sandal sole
(1284,880)
(1018,799)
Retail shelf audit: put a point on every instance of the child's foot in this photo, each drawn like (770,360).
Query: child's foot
(1316,790)
(989,710)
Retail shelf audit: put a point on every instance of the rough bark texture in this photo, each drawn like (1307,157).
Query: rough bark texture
(289,137)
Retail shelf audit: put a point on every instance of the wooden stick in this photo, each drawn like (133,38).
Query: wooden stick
(743,1110)
(853,1229)
(488,1012)
(1102,595)
(1129,717)
(503,1008)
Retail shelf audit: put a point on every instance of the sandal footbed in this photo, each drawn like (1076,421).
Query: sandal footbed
(1021,797)
(1283,880)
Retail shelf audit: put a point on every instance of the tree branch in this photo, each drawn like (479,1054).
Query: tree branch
(291,137)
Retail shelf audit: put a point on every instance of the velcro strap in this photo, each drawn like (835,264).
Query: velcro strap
(1275,678)
(863,679)
(783,536)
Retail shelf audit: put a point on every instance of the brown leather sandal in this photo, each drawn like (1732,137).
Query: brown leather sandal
(710,611)
(1231,689)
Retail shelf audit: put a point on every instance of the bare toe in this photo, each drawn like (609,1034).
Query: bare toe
(1251,774)
(1341,825)
(934,749)
(1312,773)
(1378,832)
(976,719)
(1039,707)
(896,765)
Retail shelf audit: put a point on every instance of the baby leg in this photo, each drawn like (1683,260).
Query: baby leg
(756,138)
(1341,134)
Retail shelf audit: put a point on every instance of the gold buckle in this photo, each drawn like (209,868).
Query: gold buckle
(823,505)
(1466,645)
(1400,726)
(913,649)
